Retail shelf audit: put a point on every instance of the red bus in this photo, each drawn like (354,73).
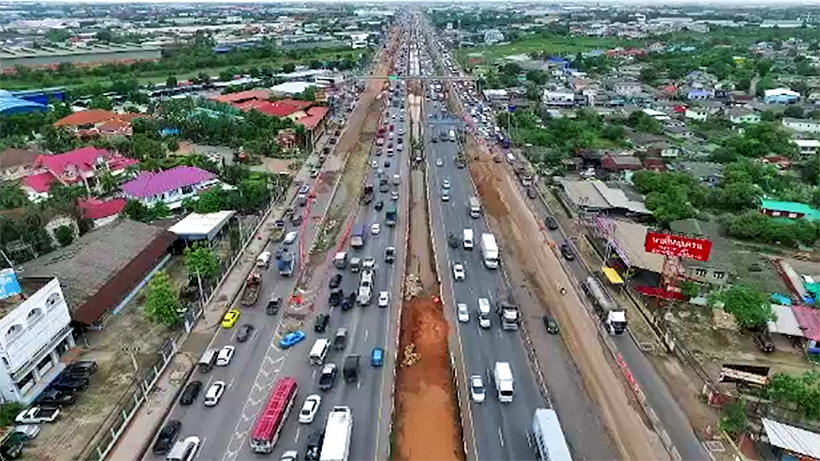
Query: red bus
(273,415)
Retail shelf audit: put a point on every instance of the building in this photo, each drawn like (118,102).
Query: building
(314,121)
(79,166)
(496,95)
(780,96)
(53,55)
(808,147)
(802,125)
(201,227)
(36,334)
(102,270)
(698,95)
(292,88)
(493,36)
(705,172)
(101,212)
(621,163)
(98,122)
(599,196)
(788,210)
(717,270)
(558,98)
(16,163)
(10,105)
(242,96)
(169,186)
(741,116)
(627,89)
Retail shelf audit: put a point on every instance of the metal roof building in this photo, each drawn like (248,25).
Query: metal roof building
(10,105)
(197,226)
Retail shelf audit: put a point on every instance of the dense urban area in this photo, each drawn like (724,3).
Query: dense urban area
(526,230)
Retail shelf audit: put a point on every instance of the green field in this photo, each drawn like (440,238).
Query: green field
(553,45)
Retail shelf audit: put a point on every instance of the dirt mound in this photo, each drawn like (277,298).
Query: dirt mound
(424,396)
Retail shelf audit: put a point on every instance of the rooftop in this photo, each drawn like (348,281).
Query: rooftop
(149,184)
(314,116)
(597,194)
(17,157)
(629,238)
(293,87)
(791,207)
(58,50)
(201,225)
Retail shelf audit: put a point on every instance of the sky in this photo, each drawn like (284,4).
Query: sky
(779,3)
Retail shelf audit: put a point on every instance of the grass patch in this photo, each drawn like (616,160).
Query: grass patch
(552,45)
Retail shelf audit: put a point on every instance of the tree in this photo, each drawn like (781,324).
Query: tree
(799,392)
(648,75)
(9,411)
(309,94)
(134,209)
(171,81)
(613,132)
(64,234)
(101,102)
(107,182)
(793,112)
(172,144)
(160,210)
(211,201)
(161,304)
(12,196)
(689,289)
(104,36)
(288,68)
(146,148)
(749,306)
(201,260)
(734,419)
(235,239)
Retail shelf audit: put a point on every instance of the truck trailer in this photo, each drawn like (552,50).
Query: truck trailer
(503,377)
(548,438)
(489,251)
(358,236)
(339,428)
(612,315)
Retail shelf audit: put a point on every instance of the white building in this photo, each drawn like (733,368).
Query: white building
(808,147)
(802,125)
(34,333)
(493,36)
(558,98)
(743,116)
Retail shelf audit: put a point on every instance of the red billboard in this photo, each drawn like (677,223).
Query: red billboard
(677,245)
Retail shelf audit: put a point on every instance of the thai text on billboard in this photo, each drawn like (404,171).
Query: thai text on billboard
(678,246)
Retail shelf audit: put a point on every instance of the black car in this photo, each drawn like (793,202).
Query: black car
(333,140)
(273,306)
(190,393)
(566,251)
(328,377)
(314,445)
(336,296)
(550,324)
(55,397)
(69,384)
(335,281)
(86,367)
(551,223)
(320,324)
(244,333)
(348,301)
(296,220)
(167,436)
(379,205)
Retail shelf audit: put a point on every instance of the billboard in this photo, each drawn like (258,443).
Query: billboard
(8,283)
(677,245)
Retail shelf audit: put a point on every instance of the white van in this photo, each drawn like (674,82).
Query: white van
(184,450)
(319,351)
(484,313)
(263,260)
(468,239)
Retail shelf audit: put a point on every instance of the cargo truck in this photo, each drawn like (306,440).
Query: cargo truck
(339,428)
(509,315)
(358,236)
(278,231)
(474,206)
(548,437)
(503,378)
(489,251)
(251,291)
(380,136)
(367,194)
(612,315)
(286,264)
(390,215)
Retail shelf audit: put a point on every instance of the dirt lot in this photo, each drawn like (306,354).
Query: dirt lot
(541,270)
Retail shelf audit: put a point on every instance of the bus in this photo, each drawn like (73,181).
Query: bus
(273,416)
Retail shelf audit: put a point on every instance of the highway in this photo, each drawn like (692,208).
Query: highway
(224,430)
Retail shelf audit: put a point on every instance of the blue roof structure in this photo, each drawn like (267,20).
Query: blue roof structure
(10,105)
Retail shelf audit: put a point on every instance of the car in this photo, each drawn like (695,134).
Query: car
(445,195)
(552,223)
(477,391)
(374,163)
(314,173)
(394,195)
(225,355)
(379,205)
(328,377)
(290,455)
(377,357)
(463,313)
(445,184)
(764,343)
(167,437)
(375,228)
(55,398)
(279,253)
(458,271)
(550,324)
(290,237)
(387,163)
(243,334)
(384,298)
(309,409)
(320,324)
(215,393)
(273,306)
(230,318)
(335,281)
(296,220)
(26,431)
(439,162)
(291,339)
(69,383)
(349,300)
(84,367)
(190,392)
(566,252)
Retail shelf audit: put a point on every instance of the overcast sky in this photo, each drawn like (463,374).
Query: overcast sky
(779,3)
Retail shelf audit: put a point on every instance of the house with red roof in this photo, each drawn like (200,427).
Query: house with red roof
(169,186)
(314,122)
(79,166)
(98,122)
(101,212)
(243,96)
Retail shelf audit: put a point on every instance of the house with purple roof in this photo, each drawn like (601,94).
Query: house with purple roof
(169,186)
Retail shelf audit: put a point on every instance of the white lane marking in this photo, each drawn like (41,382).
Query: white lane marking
(500,334)
(500,437)
(365,335)
(358,384)
(314,372)
(233,334)
(296,439)
(253,335)
(208,383)
(201,444)
(231,383)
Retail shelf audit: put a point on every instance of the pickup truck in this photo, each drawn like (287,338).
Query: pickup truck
(55,398)
(328,377)
(278,231)
(251,291)
(367,195)
(37,415)
(351,368)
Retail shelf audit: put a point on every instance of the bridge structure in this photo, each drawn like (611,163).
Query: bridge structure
(452,78)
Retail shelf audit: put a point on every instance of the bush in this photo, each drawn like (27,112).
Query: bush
(9,411)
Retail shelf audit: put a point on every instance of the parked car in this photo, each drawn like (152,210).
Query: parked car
(27,431)
(764,342)
(86,367)
(291,339)
(54,397)
(244,333)
(167,437)
(336,296)
(37,415)
(69,384)
(190,393)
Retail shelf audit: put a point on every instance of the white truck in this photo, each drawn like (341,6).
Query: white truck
(365,288)
(611,314)
(489,251)
(336,446)
(503,378)
(484,313)
(467,241)
(37,415)
(548,438)
(474,206)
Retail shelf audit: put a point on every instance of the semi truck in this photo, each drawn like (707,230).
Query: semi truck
(358,236)
(367,194)
(474,206)
(503,378)
(489,251)
(391,215)
(509,315)
(251,291)
(548,438)
(612,315)
(286,264)
(339,428)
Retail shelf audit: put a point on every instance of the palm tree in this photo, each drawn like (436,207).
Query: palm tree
(12,196)
(107,182)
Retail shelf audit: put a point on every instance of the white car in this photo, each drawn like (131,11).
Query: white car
(445,184)
(477,391)
(374,163)
(309,409)
(458,271)
(290,455)
(375,229)
(291,237)
(214,393)
(225,356)
(439,162)
(384,298)
(445,195)
(463,313)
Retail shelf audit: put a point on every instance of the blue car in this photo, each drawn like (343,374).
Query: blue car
(291,339)
(377,357)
